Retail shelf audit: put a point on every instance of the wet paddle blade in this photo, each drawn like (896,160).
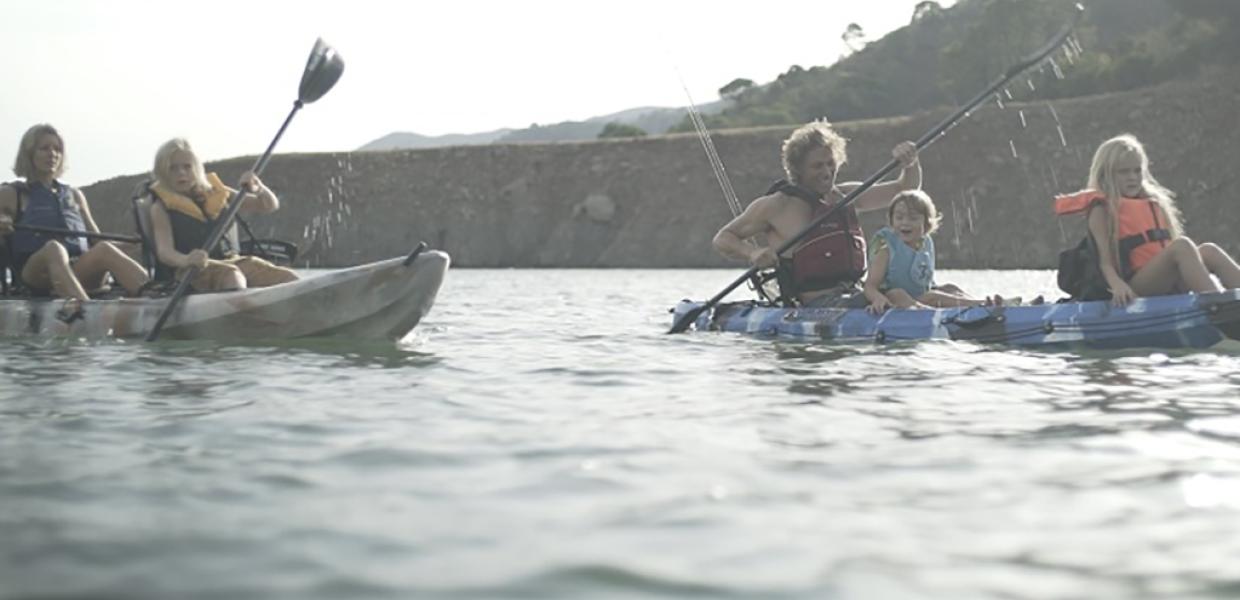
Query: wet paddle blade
(323,70)
(688,319)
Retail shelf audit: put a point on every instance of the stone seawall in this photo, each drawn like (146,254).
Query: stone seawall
(654,202)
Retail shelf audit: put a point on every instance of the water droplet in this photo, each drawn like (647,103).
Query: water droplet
(1054,115)
(1029,82)
(1062,140)
(1012,145)
(956,224)
(999,101)
(1008,93)
(1056,70)
(1023,124)
(1076,45)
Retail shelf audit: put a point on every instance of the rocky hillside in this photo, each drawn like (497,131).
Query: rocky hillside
(653,202)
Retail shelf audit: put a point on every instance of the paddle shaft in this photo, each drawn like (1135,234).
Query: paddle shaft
(90,235)
(925,140)
(221,226)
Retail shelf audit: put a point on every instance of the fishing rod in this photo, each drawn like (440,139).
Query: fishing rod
(721,175)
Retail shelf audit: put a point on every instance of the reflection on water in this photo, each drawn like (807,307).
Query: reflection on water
(560,445)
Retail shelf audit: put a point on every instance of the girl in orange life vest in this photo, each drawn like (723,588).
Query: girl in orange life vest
(1142,251)
(66,267)
(901,271)
(187,200)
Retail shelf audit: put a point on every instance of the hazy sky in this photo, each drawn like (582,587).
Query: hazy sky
(119,77)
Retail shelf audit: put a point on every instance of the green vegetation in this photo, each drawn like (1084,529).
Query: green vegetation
(616,129)
(945,55)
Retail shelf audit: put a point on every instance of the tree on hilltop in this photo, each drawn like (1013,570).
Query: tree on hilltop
(616,129)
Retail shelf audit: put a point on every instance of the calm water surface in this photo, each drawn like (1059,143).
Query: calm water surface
(540,437)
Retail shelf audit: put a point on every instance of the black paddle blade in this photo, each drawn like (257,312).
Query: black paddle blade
(323,70)
(688,319)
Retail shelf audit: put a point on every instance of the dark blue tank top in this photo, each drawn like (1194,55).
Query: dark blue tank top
(54,207)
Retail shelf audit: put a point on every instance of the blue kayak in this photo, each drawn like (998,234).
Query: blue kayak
(1178,321)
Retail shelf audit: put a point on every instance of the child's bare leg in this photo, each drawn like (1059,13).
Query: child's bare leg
(1217,261)
(941,299)
(103,258)
(902,299)
(1178,262)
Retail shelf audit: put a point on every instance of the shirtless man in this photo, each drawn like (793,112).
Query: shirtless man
(825,269)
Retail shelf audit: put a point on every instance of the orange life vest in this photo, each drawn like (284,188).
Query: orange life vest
(1142,233)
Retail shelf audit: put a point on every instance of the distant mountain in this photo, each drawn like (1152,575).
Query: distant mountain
(652,119)
(400,139)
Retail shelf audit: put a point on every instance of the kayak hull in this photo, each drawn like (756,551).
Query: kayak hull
(1178,321)
(381,300)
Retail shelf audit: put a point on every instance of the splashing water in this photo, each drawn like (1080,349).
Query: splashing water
(956,223)
(972,211)
(1058,126)
(1056,70)
(1076,45)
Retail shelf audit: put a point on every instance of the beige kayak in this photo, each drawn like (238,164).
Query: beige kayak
(382,300)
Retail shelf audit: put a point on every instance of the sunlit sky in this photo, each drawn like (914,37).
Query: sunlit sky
(120,77)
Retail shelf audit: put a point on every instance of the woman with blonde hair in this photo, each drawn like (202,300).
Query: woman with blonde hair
(187,202)
(1141,244)
(65,266)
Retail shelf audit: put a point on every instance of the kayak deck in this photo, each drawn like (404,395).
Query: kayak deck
(381,300)
(1178,321)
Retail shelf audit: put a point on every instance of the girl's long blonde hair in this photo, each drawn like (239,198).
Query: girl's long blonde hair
(1102,179)
(162,172)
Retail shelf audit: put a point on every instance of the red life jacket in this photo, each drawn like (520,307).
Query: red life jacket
(1142,234)
(832,253)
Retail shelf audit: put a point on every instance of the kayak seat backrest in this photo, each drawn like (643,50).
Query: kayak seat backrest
(9,282)
(5,270)
(142,221)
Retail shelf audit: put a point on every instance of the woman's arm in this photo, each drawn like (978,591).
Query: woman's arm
(87,217)
(8,208)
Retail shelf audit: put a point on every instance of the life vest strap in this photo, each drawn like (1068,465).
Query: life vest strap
(1129,243)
